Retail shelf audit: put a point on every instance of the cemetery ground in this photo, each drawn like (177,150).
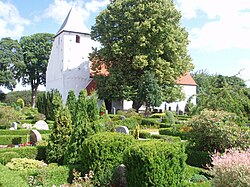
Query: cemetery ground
(174,152)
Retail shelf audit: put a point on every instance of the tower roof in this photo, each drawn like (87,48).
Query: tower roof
(186,79)
(73,23)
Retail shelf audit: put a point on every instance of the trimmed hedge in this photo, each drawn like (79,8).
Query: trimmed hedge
(9,178)
(166,138)
(131,123)
(150,122)
(22,132)
(197,158)
(155,163)
(7,156)
(33,152)
(13,139)
(144,134)
(165,125)
(173,131)
(103,153)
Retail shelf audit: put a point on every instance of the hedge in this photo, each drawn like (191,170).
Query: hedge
(33,152)
(155,163)
(144,134)
(197,158)
(9,178)
(150,122)
(13,139)
(166,137)
(103,153)
(22,132)
(173,131)
(131,123)
(7,156)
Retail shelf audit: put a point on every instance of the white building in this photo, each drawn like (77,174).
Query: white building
(69,67)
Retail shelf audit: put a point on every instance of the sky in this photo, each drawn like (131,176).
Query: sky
(219,30)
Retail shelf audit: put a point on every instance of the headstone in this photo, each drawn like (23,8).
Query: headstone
(122,129)
(14,125)
(122,117)
(12,128)
(120,176)
(41,125)
(35,137)
(26,126)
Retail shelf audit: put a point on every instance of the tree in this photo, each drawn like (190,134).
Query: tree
(60,136)
(138,36)
(36,50)
(71,102)
(81,129)
(11,60)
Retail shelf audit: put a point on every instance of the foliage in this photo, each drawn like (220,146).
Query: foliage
(92,108)
(144,134)
(7,115)
(138,37)
(217,92)
(217,130)
(13,139)
(24,163)
(155,163)
(102,153)
(166,138)
(60,137)
(150,122)
(231,168)
(128,122)
(20,102)
(82,128)
(7,156)
(11,60)
(71,102)
(36,50)
(32,152)
(149,91)
(10,179)
(103,109)
(169,118)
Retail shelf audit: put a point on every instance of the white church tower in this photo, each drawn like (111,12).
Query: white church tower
(68,67)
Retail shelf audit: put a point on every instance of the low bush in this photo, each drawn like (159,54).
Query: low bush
(169,118)
(173,131)
(103,153)
(157,115)
(197,158)
(231,168)
(165,125)
(14,132)
(166,137)
(155,163)
(144,134)
(9,178)
(131,123)
(7,156)
(33,152)
(18,164)
(150,122)
(13,139)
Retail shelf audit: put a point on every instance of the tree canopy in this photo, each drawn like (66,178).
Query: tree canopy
(11,60)
(139,36)
(36,51)
(218,92)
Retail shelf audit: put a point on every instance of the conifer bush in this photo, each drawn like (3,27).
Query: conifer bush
(60,137)
(155,163)
(71,102)
(103,153)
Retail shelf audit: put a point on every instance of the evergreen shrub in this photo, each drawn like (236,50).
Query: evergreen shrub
(13,139)
(172,131)
(144,134)
(155,163)
(197,158)
(158,115)
(150,122)
(7,156)
(103,153)
(169,118)
(166,137)
(165,125)
(128,122)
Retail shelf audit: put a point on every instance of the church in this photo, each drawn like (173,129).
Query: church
(69,66)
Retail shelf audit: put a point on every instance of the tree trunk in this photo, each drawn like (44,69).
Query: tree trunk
(33,96)
(136,105)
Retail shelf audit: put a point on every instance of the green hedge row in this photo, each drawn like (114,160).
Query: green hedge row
(33,152)
(172,131)
(13,139)
(150,122)
(22,132)
(155,163)
(166,137)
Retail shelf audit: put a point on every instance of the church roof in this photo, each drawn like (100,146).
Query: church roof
(186,79)
(73,23)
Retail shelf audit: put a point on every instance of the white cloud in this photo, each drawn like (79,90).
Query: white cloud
(94,5)
(227,23)
(11,23)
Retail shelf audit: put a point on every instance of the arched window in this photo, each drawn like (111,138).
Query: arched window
(77,39)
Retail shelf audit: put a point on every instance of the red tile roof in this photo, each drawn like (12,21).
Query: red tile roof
(186,79)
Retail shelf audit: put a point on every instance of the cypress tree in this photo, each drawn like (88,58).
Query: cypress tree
(60,136)
(82,129)
(71,102)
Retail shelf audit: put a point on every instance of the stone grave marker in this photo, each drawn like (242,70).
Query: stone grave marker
(41,125)
(35,137)
(122,129)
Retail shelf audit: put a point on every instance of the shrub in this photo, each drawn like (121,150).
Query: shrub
(24,163)
(174,131)
(197,158)
(150,122)
(166,138)
(158,115)
(10,179)
(144,134)
(13,139)
(128,122)
(217,130)
(164,125)
(155,163)
(102,153)
(33,152)
(231,168)
(20,102)
(169,117)
(7,156)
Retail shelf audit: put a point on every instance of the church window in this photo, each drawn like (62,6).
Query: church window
(77,39)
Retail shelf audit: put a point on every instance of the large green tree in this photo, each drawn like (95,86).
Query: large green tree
(138,36)
(11,60)
(218,92)
(36,51)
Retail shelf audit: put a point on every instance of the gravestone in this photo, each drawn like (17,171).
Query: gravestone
(41,125)
(14,125)
(122,129)
(35,137)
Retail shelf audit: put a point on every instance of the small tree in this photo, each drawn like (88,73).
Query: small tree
(60,136)
(81,129)
(71,102)
(103,109)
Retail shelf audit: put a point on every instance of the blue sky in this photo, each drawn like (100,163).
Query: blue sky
(219,31)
